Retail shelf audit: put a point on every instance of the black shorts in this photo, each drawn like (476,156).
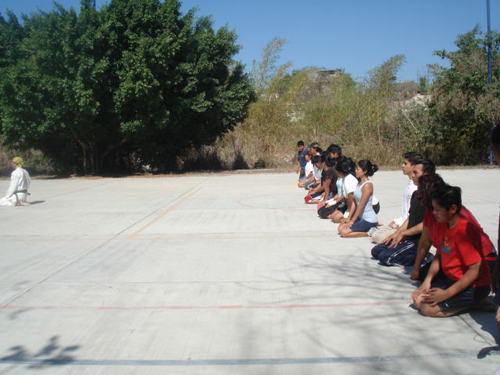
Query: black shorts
(468,297)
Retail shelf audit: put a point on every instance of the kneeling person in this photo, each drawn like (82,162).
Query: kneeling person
(17,193)
(466,278)
(400,248)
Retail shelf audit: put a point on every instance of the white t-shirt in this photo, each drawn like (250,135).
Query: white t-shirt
(340,186)
(349,185)
(317,173)
(308,168)
(405,209)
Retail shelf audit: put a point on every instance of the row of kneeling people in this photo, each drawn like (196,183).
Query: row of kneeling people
(341,189)
(463,273)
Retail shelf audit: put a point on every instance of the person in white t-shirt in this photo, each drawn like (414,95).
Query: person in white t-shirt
(344,167)
(379,234)
(316,187)
(316,151)
(308,171)
(328,178)
(364,217)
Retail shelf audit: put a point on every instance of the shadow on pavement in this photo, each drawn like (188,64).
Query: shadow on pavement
(52,354)
(488,323)
(36,202)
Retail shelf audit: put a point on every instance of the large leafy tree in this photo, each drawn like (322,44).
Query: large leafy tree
(53,95)
(463,103)
(133,81)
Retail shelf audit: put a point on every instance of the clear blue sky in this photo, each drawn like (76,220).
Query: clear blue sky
(356,35)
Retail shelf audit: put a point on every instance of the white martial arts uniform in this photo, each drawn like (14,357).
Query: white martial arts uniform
(18,189)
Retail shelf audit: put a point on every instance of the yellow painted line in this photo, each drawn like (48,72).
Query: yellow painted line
(130,237)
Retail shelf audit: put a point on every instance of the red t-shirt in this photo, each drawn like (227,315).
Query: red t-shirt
(430,222)
(460,247)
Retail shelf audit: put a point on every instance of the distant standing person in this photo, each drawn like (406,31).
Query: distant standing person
(17,193)
(301,158)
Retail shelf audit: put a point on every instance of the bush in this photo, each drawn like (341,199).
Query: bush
(36,163)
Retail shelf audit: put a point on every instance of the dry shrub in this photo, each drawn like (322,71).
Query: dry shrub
(34,161)
(312,106)
(206,158)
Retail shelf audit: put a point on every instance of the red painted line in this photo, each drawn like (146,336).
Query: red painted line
(222,307)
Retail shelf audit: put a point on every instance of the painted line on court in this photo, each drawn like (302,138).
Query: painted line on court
(130,237)
(215,307)
(237,238)
(480,199)
(69,361)
(171,238)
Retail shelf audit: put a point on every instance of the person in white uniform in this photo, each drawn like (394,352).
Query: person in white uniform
(17,193)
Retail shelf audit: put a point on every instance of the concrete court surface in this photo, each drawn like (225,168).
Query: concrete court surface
(219,274)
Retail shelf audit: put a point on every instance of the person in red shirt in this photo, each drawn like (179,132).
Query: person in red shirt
(465,279)
(427,184)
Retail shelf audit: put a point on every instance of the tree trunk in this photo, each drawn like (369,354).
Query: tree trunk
(84,157)
(94,158)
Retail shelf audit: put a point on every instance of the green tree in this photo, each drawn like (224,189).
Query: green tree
(50,96)
(463,103)
(133,82)
(11,35)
